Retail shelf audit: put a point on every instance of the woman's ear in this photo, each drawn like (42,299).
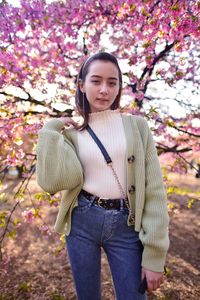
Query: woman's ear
(81,85)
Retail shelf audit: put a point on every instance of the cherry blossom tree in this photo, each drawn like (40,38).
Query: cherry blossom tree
(42,45)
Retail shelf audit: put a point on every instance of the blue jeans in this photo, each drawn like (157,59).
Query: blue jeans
(94,227)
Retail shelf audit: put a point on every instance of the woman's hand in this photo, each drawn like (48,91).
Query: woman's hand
(68,121)
(154,279)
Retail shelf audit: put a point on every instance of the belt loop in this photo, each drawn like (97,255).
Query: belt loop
(91,202)
(121,204)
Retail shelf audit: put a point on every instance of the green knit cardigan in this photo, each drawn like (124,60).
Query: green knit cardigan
(58,168)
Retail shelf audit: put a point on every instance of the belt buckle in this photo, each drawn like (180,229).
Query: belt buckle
(99,201)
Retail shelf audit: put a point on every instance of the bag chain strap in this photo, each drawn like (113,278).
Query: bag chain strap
(132,217)
(117,180)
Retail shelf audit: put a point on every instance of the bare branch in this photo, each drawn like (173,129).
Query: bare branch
(179,129)
(165,149)
(25,180)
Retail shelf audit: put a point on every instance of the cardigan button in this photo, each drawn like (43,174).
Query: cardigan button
(132,189)
(131,159)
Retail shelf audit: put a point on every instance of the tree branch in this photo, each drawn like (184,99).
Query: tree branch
(25,180)
(156,59)
(165,149)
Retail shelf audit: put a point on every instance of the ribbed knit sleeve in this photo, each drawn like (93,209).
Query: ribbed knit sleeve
(155,220)
(58,167)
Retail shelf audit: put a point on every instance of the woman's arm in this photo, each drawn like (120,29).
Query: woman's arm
(155,219)
(57,167)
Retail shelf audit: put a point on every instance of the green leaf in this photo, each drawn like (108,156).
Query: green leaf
(190,203)
(24,287)
(12,234)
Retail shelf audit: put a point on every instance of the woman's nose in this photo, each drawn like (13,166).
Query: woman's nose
(104,89)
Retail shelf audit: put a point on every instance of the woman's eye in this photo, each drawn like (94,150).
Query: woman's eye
(98,82)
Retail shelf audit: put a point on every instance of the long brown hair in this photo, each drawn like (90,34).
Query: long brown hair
(81,101)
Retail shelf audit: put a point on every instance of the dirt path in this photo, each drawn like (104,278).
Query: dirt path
(34,271)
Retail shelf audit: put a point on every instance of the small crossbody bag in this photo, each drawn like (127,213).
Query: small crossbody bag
(110,164)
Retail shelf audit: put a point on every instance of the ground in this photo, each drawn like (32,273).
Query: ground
(33,268)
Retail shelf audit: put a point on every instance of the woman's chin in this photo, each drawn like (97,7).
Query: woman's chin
(100,108)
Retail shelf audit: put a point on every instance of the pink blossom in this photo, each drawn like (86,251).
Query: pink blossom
(28,215)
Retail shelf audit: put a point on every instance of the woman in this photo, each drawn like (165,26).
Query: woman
(120,207)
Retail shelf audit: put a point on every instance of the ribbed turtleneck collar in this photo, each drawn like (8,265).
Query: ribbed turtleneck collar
(103,115)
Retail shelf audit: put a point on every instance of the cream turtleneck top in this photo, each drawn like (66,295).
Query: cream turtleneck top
(98,177)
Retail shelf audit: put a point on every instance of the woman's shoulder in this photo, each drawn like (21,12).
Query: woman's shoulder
(55,127)
(52,125)
(136,119)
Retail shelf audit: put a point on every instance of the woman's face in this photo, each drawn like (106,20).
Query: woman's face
(101,85)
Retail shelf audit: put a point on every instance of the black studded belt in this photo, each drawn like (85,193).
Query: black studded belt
(104,202)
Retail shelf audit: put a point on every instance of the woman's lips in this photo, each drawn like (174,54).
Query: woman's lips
(101,99)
